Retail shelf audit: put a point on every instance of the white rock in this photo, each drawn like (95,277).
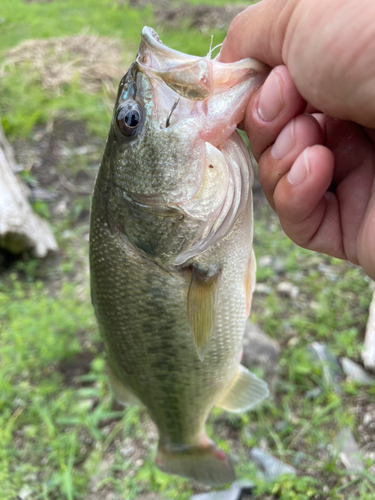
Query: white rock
(264,261)
(279,266)
(370,455)
(61,207)
(313,393)
(24,493)
(356,372)
(106,430)
(270,467)
(285,288)
(329,362)
(294,292)
(86,405)
(127,449)
(263,288)
(349,452)
(367,418)
(260,351)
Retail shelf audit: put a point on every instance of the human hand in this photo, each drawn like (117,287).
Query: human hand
(317,172)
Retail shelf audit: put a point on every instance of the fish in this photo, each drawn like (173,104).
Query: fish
(172,267)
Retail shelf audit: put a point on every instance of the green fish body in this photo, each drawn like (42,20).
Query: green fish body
(172,270)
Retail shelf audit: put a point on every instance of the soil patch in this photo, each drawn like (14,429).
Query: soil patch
(202,17)
(72,368)
(61,161)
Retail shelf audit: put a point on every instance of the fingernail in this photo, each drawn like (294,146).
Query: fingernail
(300,169)
(271,99)
(285,142)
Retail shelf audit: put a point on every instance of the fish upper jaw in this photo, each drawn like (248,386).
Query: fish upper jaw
(210,94)
(192,77)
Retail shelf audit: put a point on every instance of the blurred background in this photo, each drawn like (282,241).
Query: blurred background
(62,435)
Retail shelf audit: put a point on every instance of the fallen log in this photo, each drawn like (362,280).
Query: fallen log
(20,227)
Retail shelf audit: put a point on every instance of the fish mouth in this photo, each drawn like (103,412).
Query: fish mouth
(154,54)
(188,76)
(192,77)
(200,101)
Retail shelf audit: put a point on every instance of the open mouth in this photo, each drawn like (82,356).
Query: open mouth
(195,78)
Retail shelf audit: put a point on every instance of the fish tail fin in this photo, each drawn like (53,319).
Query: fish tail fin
(206,463)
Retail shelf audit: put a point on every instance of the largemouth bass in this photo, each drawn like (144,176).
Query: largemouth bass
(172,271)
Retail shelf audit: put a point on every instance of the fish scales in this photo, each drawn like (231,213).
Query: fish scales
(170,253)
(175,368)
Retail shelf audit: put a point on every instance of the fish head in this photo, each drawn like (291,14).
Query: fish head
(173,117)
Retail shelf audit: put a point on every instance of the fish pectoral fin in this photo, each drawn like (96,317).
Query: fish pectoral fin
(245,391)
(201,301)
(122,394)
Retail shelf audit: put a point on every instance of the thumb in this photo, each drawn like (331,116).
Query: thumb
(255,33)
(328,48)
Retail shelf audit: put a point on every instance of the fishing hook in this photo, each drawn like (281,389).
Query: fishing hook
(167,123)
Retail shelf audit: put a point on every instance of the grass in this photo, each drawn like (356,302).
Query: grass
(27,20)
(24,104)
(61,435)
(38,332)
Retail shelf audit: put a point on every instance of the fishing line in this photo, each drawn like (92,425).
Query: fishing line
(212,49)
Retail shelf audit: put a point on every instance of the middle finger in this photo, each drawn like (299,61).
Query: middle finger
(300,133)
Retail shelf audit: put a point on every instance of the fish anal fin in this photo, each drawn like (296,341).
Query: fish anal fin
(122,394)
(201,302)
(244,392)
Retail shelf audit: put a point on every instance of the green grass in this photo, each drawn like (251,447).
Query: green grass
(39,330)
(57,431)
(25,20)
(24,103)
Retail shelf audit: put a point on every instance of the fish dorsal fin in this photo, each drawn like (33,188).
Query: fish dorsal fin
(201,301)
(245,391)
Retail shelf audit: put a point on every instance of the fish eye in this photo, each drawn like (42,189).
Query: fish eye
(129,118)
